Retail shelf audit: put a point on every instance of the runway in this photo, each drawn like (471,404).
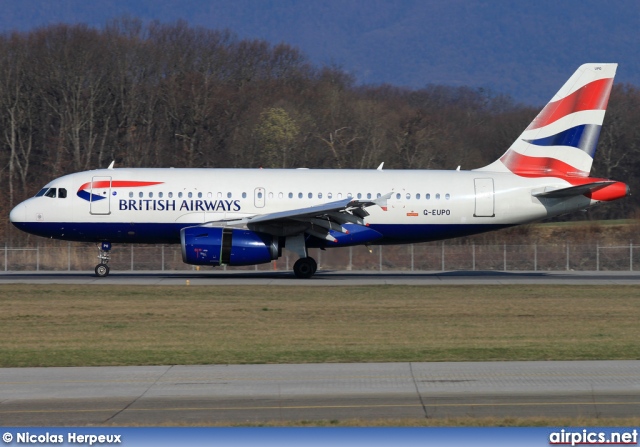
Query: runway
(326,278)
(179,395)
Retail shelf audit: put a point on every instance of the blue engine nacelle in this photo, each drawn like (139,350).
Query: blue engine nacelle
(227,246)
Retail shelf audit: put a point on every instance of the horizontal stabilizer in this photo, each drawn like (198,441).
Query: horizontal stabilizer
(573,190)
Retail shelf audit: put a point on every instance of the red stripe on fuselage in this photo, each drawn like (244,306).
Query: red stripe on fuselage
(117,184)
(593,96)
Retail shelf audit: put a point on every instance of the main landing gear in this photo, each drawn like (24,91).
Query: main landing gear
(305,268)
(102,269)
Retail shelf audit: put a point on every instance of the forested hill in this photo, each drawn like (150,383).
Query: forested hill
(75,98)
(520,48)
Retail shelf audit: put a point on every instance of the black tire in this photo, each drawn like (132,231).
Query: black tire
(304,268)
(102,270)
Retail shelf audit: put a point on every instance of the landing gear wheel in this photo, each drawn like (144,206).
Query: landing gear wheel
(304,268)
(102,270)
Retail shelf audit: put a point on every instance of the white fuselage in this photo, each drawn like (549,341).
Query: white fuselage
(152,205)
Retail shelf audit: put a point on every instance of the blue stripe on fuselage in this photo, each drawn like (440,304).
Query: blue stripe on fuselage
(169,233)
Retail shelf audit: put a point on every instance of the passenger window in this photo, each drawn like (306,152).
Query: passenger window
(170,195)
(438,196)
(291,195)
(418,196)
(190,194)
(180,195)
(447,196)
(51,193)
(244,195)
(199,195)
(310,195)
(299,195)
(319,195)
(329,195)
(209,195)
(229,195)
(141,194)
(62,193)
(398,196)
(339,195)
(219,195)
(150,195)
(359,195)
(408,196)
(131,194)
(378,195)
(271,195)
(160,195)
(427,196)
(368,195)
(349,195)
(280,195)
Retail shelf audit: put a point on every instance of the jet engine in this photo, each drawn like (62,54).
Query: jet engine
(227,246)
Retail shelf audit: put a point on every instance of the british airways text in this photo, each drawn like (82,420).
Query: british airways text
(184,205)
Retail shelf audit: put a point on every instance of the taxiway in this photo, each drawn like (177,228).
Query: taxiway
(170,395)
(326,278)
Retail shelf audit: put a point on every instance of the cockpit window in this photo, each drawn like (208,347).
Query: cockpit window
(53,193)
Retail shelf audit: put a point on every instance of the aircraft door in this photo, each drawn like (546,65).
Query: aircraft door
(485,206)
(100,195)
(258,198)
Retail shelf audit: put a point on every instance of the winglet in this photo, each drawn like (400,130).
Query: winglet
(382,200)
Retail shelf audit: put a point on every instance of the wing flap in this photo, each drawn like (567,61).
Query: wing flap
(332,221)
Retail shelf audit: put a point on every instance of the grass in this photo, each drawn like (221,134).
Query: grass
(60,325)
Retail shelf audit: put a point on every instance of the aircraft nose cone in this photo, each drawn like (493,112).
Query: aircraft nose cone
(18,214)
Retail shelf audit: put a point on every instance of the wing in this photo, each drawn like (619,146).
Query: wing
(327,221)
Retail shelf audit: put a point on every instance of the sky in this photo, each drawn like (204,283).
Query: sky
(525,49)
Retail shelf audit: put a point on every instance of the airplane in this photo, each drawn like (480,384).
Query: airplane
(247,216)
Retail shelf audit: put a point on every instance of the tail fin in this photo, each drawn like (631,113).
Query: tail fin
(561,140)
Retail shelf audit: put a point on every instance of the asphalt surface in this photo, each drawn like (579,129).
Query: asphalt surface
(325,278)
(179,395)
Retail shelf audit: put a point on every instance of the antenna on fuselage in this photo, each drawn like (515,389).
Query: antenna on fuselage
(111,165)
(380,167)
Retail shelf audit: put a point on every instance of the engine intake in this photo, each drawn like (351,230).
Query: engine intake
(227,246)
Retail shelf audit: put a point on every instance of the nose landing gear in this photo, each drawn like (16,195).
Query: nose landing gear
(102,269)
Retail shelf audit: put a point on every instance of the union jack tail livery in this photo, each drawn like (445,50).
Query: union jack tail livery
(561,141)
